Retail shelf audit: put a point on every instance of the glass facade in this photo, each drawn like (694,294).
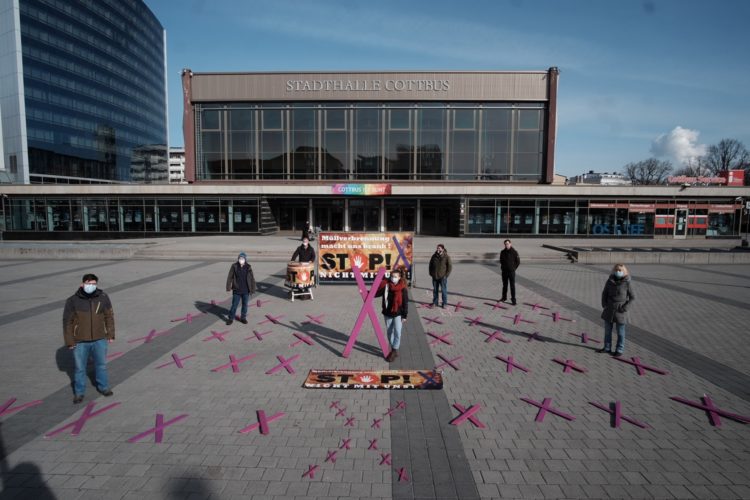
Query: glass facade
(94,82)
(370,140)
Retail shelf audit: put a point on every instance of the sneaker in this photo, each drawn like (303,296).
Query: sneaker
(442,306)
(106,393)
(230,321)
(243,321)
(513,303)
(602,350)
(78,399)
(617,354)
(503,300)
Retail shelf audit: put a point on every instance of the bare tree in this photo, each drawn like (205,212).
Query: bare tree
(729,154)
(651,171)
(694,167)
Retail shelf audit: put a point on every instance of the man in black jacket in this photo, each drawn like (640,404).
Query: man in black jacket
(304,252)
(509,262)
(241,282)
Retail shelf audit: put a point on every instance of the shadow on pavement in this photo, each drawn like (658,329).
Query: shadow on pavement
(321,334)
(25,478)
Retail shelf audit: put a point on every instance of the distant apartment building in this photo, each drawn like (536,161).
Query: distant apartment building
(82,92)
(601,179)
(177,166)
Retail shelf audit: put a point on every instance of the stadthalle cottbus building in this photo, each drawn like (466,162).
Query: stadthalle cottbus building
(437,153)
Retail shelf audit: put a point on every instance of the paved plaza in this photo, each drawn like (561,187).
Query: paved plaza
(550,417)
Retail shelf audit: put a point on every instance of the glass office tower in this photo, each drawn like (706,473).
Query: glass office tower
(91,83)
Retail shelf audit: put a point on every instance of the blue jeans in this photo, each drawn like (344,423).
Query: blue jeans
(620,336)
(442,283)
(81,353)
(393,329)
(236,301)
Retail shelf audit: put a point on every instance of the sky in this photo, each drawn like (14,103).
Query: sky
(638,78)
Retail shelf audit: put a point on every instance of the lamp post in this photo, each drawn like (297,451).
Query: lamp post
(745,208)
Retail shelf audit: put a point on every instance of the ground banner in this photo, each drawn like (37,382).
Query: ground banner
(369,379)
(339,252)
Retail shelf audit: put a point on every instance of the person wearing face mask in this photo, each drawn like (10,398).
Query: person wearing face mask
(395,308)
(241,282)
(616,299)
(88,326)
(304,252)
(440,268)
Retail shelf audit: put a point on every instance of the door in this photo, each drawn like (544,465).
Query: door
(680,224)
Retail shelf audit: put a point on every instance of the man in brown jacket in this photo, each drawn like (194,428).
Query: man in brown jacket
(88,326)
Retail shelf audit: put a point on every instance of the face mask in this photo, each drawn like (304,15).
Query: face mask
(619,274)
(242,262)
(89,288)
(395,279)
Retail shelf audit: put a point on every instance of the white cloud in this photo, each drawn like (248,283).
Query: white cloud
(681,144)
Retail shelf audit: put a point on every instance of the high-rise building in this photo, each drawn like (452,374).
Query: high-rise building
(83,92)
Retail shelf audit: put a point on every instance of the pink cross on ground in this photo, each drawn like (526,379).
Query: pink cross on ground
(474,321)
(349,422)
(556,317)
(78,424)
(449,362)
(585,339)
(569,364)
(424,305)
(403,476)
(314,319)
(440,338)
(216,335)
(389,412)
(301,339)
(459,305)
(618,415)
(545,407)
(234,363)
(188,318)
(467,414)
(345,444)
(400,405)
(114,355)
(376,423)
(341,412)
(263,422)
(257,335)
(373,444)
(536,307)
(367,311)
(151,336)
(331,456)
(258,303)
(511,364)
(640,367)
(495,335)
(334,404)
(713,411)
(6,409)
(284,363)
(433,320)
(497,305)
(385,459)
(176,360)
(272,319)
(518,318)
(310,471)
(158,429)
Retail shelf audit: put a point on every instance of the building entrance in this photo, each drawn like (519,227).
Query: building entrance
(440,218)
(328,215)
(364,215)
(290,214)
(400,216)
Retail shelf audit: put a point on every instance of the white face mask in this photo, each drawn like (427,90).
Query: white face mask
(88,288)
(395,279)
(242,262)
(619,274)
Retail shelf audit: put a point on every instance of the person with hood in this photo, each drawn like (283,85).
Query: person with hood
(395,309)
(509,262)
(88,326)
(304,252)
(616,298)
(241,282)
(440,268)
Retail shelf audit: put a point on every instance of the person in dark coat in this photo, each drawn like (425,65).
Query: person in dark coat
(616,298)
(88,326)
(241,282)
(304,252)
(306,230)
(440,268)
(509,262)
(395,295)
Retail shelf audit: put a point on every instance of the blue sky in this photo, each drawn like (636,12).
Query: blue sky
(638,78)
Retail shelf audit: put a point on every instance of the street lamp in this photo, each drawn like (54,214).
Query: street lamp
(746,208)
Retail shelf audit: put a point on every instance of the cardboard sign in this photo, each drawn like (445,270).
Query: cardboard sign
(339,253)
(368,379)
